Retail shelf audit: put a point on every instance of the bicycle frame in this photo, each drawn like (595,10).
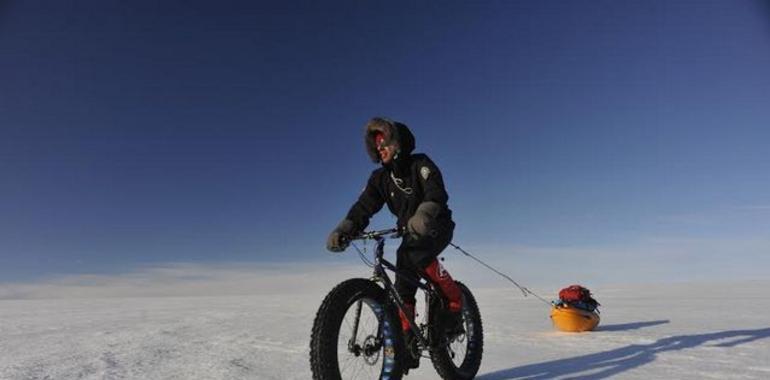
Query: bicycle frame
(380,274)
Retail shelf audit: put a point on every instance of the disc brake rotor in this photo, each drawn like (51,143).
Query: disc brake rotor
(371,350)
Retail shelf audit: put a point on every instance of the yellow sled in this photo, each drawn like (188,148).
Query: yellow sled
(571,319)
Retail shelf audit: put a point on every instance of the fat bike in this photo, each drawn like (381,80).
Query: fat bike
(357,330)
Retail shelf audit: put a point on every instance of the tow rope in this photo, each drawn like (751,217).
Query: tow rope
(523,289)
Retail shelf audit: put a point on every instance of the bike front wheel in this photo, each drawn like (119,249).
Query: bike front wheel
(356,334)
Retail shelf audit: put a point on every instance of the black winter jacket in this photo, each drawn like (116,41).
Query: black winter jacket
(403,185)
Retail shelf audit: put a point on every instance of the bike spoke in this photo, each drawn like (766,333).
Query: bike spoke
(348,361)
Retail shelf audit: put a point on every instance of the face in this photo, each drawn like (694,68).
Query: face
(386,152)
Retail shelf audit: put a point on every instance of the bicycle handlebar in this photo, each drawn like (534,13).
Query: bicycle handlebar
(395,232)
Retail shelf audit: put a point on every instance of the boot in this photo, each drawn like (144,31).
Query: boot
(412,359)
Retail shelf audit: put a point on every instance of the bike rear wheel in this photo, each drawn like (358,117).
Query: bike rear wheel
(356,334)
(457,356)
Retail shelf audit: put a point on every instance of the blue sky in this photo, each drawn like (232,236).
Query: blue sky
(159,132)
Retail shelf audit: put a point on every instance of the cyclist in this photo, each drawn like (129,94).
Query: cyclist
(412,187)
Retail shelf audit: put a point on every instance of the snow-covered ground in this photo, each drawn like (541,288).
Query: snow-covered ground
(677,331)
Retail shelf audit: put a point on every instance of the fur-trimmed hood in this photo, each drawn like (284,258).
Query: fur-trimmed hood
(395,133)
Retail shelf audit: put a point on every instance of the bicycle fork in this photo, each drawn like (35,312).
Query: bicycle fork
(369,347)
(352,346)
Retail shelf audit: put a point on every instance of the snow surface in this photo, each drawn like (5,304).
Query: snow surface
(674,331)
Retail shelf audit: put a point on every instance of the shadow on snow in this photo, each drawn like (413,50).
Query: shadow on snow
(631,326)
(608,363)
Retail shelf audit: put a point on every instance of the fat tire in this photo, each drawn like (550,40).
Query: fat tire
(326,328)
(439,355)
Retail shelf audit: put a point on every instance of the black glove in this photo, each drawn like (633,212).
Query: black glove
(340,237)
(422,223)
